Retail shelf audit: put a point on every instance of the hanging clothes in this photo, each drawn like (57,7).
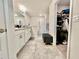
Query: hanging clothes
(66,11)
(65,25)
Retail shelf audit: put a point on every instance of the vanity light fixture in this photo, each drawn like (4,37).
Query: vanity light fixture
(15,15)
(22,8)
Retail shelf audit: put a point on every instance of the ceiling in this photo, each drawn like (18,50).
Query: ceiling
(36,7)
(64,2)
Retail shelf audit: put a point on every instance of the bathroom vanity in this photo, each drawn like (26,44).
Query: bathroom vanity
(22,37)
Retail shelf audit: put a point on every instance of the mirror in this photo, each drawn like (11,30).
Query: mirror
(19,21)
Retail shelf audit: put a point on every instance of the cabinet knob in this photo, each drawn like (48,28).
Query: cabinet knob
(20,36)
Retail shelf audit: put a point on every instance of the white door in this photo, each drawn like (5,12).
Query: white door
(74,45)
(3,39)
(42,25)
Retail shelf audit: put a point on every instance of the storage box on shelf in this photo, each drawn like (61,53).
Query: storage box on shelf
(19,39)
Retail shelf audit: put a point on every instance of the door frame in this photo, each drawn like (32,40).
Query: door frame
(70,26)
(70,29)
(3,37)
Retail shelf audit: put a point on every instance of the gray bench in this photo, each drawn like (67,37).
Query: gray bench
(47,38)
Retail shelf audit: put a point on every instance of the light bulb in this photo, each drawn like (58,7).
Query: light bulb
(22,8)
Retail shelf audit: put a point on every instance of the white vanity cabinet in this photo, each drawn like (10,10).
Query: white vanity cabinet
(20,36)
(17,44)
(27,35)
(3,46)
(74,48)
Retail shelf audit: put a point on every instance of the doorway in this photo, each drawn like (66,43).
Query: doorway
(62,25)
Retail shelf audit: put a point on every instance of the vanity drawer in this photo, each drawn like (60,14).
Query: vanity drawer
(27,36)
(20,41)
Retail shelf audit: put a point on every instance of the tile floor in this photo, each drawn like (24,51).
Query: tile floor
(36,49)
(63,49)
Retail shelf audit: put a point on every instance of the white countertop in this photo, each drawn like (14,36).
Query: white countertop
(19,31)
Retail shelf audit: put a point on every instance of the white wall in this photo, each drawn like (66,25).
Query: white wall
(62,7)
(74,46)
(75,7)
(27,19)
(38,24)
(17,19)
(52,20)
(42,24)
